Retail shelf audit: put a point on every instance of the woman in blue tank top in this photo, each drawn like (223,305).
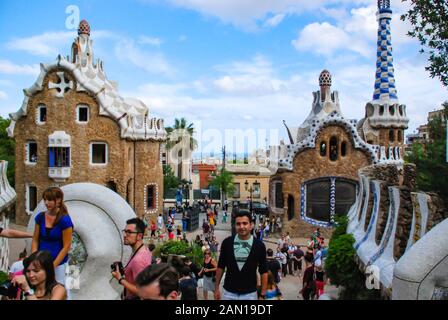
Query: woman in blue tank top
(53,231)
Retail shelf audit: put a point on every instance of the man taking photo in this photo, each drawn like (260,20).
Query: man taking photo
(241,255)
(140,259)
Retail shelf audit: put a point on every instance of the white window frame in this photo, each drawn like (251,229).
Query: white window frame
(77,113)
(27,153)
(91,153)
(156,208)
(27,198)
(39,108)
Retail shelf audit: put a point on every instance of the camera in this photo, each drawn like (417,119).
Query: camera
(114,265)
(8,289)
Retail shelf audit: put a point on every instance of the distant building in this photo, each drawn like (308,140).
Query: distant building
(317,173)
(257,178)
(422,134)
(73,126)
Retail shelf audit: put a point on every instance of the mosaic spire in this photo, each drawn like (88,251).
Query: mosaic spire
(385,90)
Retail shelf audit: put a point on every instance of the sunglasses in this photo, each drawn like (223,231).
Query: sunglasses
(128,232)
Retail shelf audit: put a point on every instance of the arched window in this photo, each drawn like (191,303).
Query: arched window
(333,149)
(399,136)
(381,110)
(392,110)
(343,148)
(279,195)
(391,135)
(323,149)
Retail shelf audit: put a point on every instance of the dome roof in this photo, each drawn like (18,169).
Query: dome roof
(325,78)
(84,28)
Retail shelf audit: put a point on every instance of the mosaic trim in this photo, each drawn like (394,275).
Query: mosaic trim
(315,222)
(156,208)
(372,221)
(333,118)
(390,227)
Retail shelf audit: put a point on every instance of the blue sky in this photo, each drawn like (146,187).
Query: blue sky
(222,64)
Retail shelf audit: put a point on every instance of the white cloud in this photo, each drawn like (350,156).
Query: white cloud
(46,44)
(50,44)
(3,95)
(275,20)
(152,62)
(150,40)
(10,68)
(322,38)
(246,14)
(182,38)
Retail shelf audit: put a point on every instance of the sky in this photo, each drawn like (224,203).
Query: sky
(224,65)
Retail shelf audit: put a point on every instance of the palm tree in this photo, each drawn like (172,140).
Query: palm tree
(179,131)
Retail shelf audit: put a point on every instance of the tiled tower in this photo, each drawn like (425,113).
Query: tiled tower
(385,119)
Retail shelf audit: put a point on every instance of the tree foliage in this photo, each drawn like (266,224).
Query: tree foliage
(179,131)
(341,266)
(169,179)
(7,147)
(430,158)
(223,181)
(429,19)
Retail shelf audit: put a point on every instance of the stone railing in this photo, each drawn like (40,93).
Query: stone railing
(7,200)
(392,223)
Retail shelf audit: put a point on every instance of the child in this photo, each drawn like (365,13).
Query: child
(224,217)
(179,233)
(171,234)
(272,291)
(161,235)
(320,280)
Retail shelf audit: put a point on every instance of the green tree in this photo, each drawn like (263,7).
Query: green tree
(223,181)
(7,148)
(169,179)
(430,158)
(180,130)
(429,19)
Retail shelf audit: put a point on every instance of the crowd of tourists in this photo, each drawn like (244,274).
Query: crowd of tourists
(250,270)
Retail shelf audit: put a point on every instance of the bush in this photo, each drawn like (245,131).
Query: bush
(342,268)
(3,276)
(175,247)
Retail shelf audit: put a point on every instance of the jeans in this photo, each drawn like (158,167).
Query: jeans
(226,295)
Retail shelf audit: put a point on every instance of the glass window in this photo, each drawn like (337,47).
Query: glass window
(58,157)
(83,113)
(279,195)
(343,149)
(98,153)
(32,198)
(150,197)
(333,149)
(318,200)
(257,190)
(323,149)
(31,152)
(391,135)
(42,114)
(236,192)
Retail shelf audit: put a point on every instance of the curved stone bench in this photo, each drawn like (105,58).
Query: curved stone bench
(98,215)
(422,273)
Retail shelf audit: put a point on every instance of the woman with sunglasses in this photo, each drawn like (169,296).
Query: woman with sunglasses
(208,272)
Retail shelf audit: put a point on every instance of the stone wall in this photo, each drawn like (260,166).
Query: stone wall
(309,165)
(61,116)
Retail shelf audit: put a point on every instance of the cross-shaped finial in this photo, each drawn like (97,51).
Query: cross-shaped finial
(62,87)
